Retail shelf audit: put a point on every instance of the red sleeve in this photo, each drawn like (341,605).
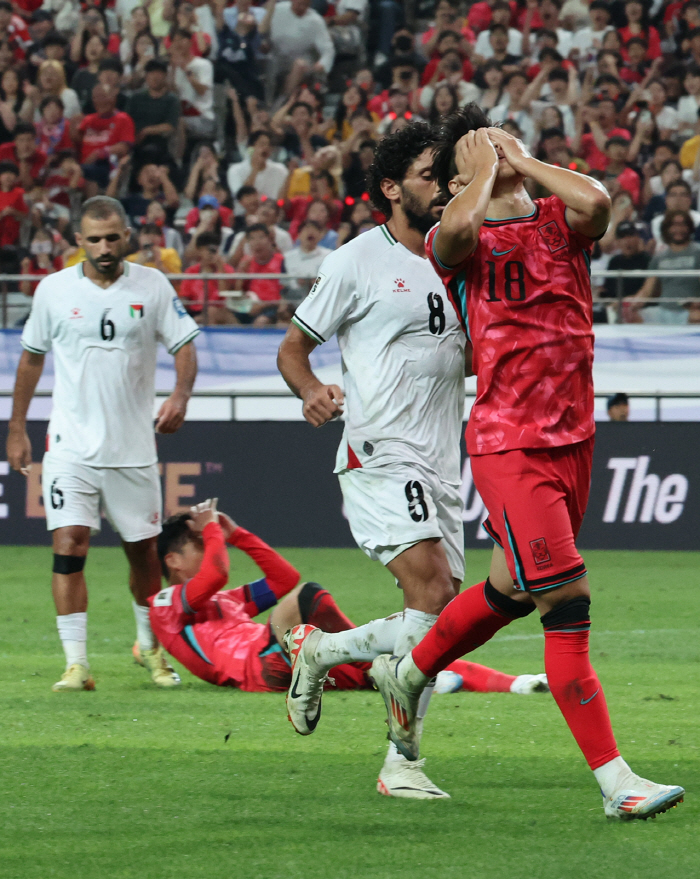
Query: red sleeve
(20,204)
(213,574)
(281,576)
(191,219)
(124,131)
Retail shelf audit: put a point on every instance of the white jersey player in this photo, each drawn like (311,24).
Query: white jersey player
(403,359)
(103,319)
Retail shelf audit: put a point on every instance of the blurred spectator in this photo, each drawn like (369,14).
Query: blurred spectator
(601,119)
(619,407)
(294,123)
(52,130)
(85,79)
(301,44)
(618,173)
(11,101)
(500,15)
(207,203)
(638,26)
(677,231)
(24,152)
(105,137)
(41,259)
(51,82)
(154,109)
(264,259)
(193,292)
(631,256)
(513,106)
(155,214)
(588,41)
(268,214)
(248,201)
(134,25)
(93,23)
(152,183)
(258,170)
(13,207)
(153,253)
(204,166)
(319,212)
(145,50)
(239,47)
(194,84)
(323,188)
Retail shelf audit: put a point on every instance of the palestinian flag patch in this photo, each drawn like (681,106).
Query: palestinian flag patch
(136,309)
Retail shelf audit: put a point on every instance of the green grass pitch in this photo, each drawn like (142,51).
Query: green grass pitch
(129,781)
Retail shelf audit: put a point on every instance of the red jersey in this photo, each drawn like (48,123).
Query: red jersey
(102,132)
(524,300)
(8,153)
(211,632)
(9,226)
(266,289)
(596,158)
(193,291)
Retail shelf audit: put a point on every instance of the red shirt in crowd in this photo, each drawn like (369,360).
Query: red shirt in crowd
(35,269)
(596,159)
(431,67)
(102,132)
(192,218)
(193,291)
(8,153)
(9,226)
(266,289)
(298,207)
(652,38)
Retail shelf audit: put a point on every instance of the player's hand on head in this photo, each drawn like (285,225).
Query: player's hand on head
(513,149)
(228,526)
(323,403)
(202,514)
(474,153)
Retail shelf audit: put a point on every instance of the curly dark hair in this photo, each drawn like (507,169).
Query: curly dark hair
(393,157)
(453,127)
(175,534)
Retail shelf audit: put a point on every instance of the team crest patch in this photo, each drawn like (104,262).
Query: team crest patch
(552,236)
(136,309)
(540,553)
(179,307)
(401,286)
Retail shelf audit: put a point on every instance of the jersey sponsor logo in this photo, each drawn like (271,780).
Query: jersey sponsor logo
(179,307)
(401,286)
(503,252)
(155,518)
(136,309)
(540,553)
(75,313)
(314,288)
(552,236)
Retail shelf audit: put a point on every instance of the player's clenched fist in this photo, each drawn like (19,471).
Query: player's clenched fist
(322,403)
(474,153)
(19,450)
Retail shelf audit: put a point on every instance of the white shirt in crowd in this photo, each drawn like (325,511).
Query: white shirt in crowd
(522,118)
(283,241)
(303,264)
(268,182)
(192,103)
(104,344)
(402,353)
(588,41)
(687,111)
(295,36)
(655,227)
(483,47)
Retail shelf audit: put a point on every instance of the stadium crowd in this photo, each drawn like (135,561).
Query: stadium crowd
(237,135)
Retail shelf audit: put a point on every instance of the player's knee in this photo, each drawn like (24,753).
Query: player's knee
(505,604)
(71,542)
(68,564)
(440,592)
(573,615)
(307,600)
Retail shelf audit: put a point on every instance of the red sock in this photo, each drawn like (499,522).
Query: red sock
(326,615)
(466,623)
(481,679)
(579,695)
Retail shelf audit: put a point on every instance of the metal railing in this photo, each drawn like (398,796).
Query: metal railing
(235,297)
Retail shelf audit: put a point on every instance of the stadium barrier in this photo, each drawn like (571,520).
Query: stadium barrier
(277,479)
(617,311)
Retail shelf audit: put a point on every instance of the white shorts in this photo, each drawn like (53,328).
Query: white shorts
(393,507)
(129,496)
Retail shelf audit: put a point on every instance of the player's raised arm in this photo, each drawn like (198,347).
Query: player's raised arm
(321,402)
(19,448)
(587,201)
(476,167)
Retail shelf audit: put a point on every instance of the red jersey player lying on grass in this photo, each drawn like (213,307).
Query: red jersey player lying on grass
(210,629)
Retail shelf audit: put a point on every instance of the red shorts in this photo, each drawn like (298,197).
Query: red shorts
(268,670)
(536,499)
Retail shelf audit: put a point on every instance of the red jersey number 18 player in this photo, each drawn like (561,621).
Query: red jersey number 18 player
(516,272)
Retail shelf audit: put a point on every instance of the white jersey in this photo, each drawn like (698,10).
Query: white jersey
(104,344)
(402,354)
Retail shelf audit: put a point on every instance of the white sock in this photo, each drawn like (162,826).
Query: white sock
(144,632)
(416,625)
(362,644)
(72,630)
(607,774)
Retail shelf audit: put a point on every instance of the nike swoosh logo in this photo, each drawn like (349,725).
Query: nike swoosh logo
(502,252)
(586,701)
(295,694)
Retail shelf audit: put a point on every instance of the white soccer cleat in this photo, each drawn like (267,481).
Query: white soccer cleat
(401,702)
(523,685)
(448,682)
(308,678)
(404,779)
(75,677)
(162,673)
(635,797)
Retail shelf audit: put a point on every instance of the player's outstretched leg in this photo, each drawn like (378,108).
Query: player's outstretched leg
(474,678)
(579,695)
(308,678)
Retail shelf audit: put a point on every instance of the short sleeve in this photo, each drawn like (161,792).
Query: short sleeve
(331,300)
(126,133)
(175,327)
(36,336)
